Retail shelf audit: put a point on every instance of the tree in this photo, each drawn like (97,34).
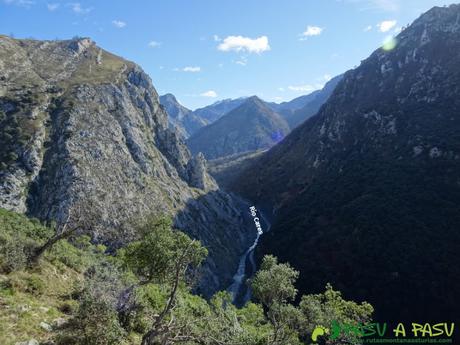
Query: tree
(329,308)
(80,217)
(274,287)
(163,256)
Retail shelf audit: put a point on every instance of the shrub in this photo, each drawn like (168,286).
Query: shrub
(19,236)
(96,323)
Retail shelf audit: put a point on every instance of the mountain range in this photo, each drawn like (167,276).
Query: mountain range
(188,122)
(365,195)
(249,127)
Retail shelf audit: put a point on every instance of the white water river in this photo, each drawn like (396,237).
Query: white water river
(240,291)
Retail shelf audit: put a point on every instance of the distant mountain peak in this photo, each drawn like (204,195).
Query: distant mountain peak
(255,101)
(251,126)
(180,117)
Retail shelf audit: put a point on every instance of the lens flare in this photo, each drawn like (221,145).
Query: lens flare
(277,136)
(389,43)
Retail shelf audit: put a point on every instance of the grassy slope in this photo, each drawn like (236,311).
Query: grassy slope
(44,293)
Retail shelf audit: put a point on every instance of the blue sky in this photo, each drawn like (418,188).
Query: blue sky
(206,50)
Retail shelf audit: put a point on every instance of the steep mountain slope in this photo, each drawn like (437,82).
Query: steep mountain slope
(226,169)
(181,118)
(295,116)
(292,105)
(82,129)
(251,126)
(366,194)
(218,109)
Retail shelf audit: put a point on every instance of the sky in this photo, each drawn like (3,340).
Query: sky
(203,51)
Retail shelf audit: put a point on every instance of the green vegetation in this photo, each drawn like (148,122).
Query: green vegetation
(225,170)
(77,294)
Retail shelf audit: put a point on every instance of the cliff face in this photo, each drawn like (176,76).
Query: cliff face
(366,194)
(80,126)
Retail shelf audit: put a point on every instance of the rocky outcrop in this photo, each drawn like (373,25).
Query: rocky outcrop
(81,126)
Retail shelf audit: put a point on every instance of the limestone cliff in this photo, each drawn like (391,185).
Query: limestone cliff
(82,126)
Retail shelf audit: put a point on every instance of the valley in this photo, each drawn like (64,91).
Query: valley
(128,218)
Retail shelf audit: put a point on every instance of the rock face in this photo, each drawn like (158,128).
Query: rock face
(366,194)
(80,126)
(181,118)
(250,127)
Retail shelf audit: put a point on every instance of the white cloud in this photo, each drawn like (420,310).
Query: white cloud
(154,44)
(386,25)
(305,87)
(76,7)
(191,69)
(243,61)
(119,23)
(22,3)
(281,89)
(367,28)
(216,38)
(52,7)
(240,43)
(210,93)
(311,31)
(327,77)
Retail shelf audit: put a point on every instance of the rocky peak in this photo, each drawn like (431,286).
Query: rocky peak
(198,175)
(441,19)
(255,102)
(79,45)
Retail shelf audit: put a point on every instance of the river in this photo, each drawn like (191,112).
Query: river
(240,291)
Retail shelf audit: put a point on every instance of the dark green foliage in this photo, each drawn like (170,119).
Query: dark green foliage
(96,323)
(139,294)
(18,237)
(274,287)
(325,308)
(161,252)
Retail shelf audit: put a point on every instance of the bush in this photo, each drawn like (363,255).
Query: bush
(18,237)
(96,323)
(12,255)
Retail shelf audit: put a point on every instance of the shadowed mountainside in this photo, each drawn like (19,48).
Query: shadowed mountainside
(366,194)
